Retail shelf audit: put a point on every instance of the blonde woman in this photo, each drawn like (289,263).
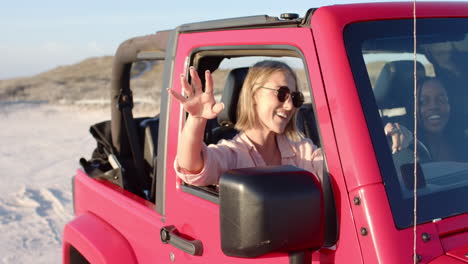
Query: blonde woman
(266,120)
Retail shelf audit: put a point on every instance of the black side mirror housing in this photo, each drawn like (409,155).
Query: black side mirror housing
(270,209)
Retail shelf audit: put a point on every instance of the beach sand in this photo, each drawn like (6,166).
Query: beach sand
(39,151)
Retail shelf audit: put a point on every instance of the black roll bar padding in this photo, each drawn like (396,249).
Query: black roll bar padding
(126,54)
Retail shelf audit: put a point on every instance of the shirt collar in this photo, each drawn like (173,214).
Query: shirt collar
(243,137)
(284,144)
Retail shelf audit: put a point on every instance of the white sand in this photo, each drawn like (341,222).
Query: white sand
(40,146)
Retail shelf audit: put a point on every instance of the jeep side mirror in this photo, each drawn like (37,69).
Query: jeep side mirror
(270,209)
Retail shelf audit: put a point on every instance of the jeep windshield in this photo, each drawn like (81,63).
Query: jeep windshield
(382,60)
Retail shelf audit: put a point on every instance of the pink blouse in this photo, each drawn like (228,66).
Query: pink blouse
(240,152)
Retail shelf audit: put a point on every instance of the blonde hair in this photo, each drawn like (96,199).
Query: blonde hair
(257,76)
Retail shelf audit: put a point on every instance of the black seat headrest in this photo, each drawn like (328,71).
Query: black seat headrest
(394,85)
(306,123)
(230,97)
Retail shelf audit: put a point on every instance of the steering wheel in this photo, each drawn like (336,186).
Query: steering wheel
(406,155)
(423,152)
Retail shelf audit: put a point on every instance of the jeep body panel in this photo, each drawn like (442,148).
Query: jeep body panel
(137,222)
(96,240)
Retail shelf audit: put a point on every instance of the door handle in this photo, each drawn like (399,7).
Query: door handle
(170,235)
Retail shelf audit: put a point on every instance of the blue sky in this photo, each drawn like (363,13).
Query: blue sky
(36,36)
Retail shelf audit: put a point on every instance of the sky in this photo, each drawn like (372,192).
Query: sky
(37,36)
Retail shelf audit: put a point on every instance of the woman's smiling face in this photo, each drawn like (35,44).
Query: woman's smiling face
(272,114)
(434,106)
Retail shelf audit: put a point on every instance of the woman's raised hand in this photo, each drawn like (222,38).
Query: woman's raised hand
(197,103)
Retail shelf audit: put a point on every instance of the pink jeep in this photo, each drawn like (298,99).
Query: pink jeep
(355,62)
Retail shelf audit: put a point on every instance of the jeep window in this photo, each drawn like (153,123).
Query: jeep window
(381,56)
(229,62)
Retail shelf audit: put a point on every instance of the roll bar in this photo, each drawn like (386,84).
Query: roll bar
(132,50)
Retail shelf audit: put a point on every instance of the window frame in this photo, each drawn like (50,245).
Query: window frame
(198,53)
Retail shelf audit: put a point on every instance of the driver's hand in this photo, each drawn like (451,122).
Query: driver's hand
(400,135)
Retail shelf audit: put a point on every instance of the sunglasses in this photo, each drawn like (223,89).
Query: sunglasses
(283,94)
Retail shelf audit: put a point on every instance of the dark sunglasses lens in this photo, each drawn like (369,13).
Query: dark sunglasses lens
(297,99)
(282,94)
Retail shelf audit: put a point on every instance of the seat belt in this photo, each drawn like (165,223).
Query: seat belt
(125,104)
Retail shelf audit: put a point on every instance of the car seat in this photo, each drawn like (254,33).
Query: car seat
(394,91)
(230,97)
